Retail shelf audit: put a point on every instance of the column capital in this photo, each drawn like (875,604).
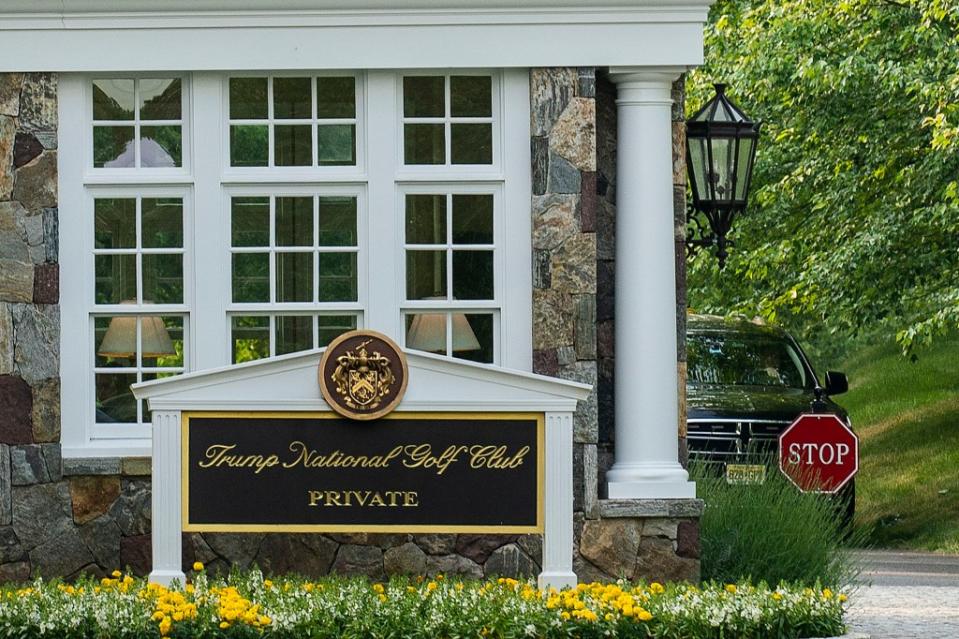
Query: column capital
(655,75)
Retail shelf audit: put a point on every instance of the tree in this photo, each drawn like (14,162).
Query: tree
(853,222)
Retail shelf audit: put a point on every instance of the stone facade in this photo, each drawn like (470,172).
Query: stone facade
(60,517)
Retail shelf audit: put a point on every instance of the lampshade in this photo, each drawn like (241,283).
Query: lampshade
(121,338)
(428,333)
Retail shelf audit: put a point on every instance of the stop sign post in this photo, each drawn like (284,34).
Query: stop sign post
(819,453)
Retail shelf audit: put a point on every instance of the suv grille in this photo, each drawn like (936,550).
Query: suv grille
(718,441)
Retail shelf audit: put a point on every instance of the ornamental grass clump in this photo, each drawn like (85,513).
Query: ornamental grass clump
(245,605)
(772,532)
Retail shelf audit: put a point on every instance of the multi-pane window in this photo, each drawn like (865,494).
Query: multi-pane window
(297,253)
(138,256)
(137,123)
(450,250)
(448,119)
(292,121)
(314,211)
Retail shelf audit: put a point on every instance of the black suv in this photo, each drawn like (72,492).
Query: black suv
(746,383)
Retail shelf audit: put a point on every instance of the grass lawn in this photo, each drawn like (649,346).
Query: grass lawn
(907,417)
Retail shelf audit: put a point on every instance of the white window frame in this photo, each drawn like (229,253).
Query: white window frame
(379,179)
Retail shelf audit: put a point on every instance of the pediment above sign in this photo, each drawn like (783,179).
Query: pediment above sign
(290,383)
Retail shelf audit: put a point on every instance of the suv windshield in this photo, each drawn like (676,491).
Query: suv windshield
(743,360)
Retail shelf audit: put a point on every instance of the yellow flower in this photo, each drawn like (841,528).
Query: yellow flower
(378,588)
(842,598)
(827,593)
(656,588)
(731,588)
(165,626)
(267,584)
(198,566)
(224,625)
(644,615)
(776,596)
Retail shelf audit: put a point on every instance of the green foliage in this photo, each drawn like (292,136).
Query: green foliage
(770,532)
(853,221)
(905,414)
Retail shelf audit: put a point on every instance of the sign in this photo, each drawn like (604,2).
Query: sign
(363,375)
(819,453)
(319,472)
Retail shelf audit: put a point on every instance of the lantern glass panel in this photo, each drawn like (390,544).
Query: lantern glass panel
(722,175)
(743,167)
(699,167)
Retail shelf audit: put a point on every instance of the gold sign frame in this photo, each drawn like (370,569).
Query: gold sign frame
(539,528)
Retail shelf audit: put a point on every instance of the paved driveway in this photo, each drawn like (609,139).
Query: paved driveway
(907,595)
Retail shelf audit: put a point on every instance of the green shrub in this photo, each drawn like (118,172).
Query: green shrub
(772,532)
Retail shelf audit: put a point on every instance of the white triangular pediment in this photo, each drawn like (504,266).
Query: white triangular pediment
(290,382)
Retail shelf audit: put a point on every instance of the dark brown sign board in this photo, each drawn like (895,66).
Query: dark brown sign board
(406,472)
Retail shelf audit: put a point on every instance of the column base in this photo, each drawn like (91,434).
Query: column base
(663,480)
(652,490)
(558,580)
(166,577)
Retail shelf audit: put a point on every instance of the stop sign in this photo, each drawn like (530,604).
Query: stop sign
(819,453)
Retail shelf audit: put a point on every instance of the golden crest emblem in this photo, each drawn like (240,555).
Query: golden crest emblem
(363,375)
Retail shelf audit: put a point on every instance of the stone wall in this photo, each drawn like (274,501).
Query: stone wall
(573,128)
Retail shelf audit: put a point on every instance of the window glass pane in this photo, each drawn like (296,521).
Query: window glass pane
(249,145)
(473,219)
(294,277)
(425,219)
(162,341)
(113,99)
(336,97)
(113,147)
(162,279)
(424,144)
(423,96)
(251,221)
(293,333)
(115,223)
(161,146)
(248,98)
(471,96)
(115,341)
(332,326)
(160,99)
(426,332)
(114,399)
(162,222)
(337,277)
(292,98)
(251,277)
(471,143)
(425,275)
(146,415)
(293,145)
(337,221)
(116,278)
(473,275)
(337,144)
(251,338)
(294,221)
(473,337)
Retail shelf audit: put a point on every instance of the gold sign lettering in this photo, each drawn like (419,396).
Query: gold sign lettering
(217,455)
(348,498)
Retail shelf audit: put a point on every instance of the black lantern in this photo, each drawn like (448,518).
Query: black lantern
(720,149)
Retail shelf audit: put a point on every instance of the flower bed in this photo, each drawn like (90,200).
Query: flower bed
(247,605)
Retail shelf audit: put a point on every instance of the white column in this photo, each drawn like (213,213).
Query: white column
(165,484)
(558,529)
(647,398)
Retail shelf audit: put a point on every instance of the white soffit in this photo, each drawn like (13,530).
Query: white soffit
(174,35)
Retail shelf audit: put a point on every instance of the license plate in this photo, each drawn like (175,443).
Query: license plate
(745,473)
